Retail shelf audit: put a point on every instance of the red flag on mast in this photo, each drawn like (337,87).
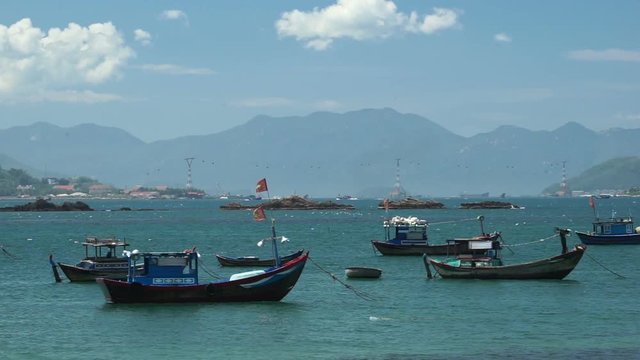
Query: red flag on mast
(592,203)
(261,186)
(258,214)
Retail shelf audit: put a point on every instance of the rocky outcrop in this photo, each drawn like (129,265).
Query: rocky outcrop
(489,205)
(45,205)
(411,203)
(291,203)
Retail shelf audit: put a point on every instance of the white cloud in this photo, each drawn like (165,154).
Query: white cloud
(502,37)
(172,69)
(31,60)
(175,15)
(605,55)
(327,104)
(142,37)
(359,20)
(263,102)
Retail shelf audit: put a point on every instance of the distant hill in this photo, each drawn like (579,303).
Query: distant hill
(326,154)
(618,173)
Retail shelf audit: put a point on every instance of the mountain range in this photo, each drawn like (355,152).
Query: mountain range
(324,154)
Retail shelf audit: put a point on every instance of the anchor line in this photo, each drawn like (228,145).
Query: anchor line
(451,221)
(604,267)
(210,273)
(530,242)
(358,293)
(7,253)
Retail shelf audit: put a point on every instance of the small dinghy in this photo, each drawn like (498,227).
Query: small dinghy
(362,272)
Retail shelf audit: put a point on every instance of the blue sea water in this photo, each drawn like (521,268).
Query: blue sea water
(591,314)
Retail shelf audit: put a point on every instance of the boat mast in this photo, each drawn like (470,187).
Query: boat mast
(275,242)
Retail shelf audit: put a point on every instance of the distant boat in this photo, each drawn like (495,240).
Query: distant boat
(611,231)
(346,197)
(253,260)
(490,266)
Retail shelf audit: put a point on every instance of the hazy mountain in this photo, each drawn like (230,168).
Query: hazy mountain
(325,154)
(614,174)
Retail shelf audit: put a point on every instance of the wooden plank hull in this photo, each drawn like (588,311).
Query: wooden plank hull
(556,267)
(78,274)
(272,285)
(254,261)
(625,239)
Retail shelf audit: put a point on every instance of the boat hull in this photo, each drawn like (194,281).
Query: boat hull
(362,272)
(272,285)
(557,267)
(254,261)
(79,274)
(625,239)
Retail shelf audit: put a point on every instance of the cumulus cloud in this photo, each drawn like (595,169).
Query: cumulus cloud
(31,59)
(175,15)
(605,55)
(172,69)
(502,37)
(360,20)
(142,37)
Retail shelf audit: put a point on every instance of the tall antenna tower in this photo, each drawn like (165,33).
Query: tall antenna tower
(398,190)
(189,160)
(564,188)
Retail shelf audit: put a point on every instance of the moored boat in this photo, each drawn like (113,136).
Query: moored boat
(489,265)
(408,236)
(254,260)
(101,260)
(362,272)
(612,231)
(172,277)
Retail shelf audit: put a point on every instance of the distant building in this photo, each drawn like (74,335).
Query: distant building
(64,187)
(100,189)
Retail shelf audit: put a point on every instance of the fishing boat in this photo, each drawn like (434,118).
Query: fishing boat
(362,272)
(612,231)
(172,277)
(488,264)
(408,236)
(101,260)
(254,260)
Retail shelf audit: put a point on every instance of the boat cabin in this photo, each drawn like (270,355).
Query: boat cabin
(164,268)
(406,230)
(102,249)
(481,254)
(613,226)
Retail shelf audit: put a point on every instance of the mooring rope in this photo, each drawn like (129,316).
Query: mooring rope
(604,267)
(210,273)
(7,253)
(531,242)
(452,221)
(359,293)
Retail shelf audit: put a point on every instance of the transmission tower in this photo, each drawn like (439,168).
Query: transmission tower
(564,188)
(398,190)
(189,160)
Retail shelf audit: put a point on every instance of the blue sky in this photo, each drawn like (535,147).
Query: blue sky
(162,69)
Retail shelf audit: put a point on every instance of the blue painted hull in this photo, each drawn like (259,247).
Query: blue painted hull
(624,239)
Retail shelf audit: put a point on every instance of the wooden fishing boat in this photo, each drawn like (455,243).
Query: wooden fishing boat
(611,231)
(254,260)
(101,260)
(490,266)
(408,236)
(172,277)
(362,272)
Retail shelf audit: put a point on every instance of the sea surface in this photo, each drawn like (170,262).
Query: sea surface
(594,313)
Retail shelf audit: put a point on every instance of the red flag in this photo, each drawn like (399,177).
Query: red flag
(592,202)
(258,214)
(386,204)
(261,185)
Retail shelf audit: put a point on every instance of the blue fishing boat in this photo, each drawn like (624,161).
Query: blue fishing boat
(612,231)
(172,277)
